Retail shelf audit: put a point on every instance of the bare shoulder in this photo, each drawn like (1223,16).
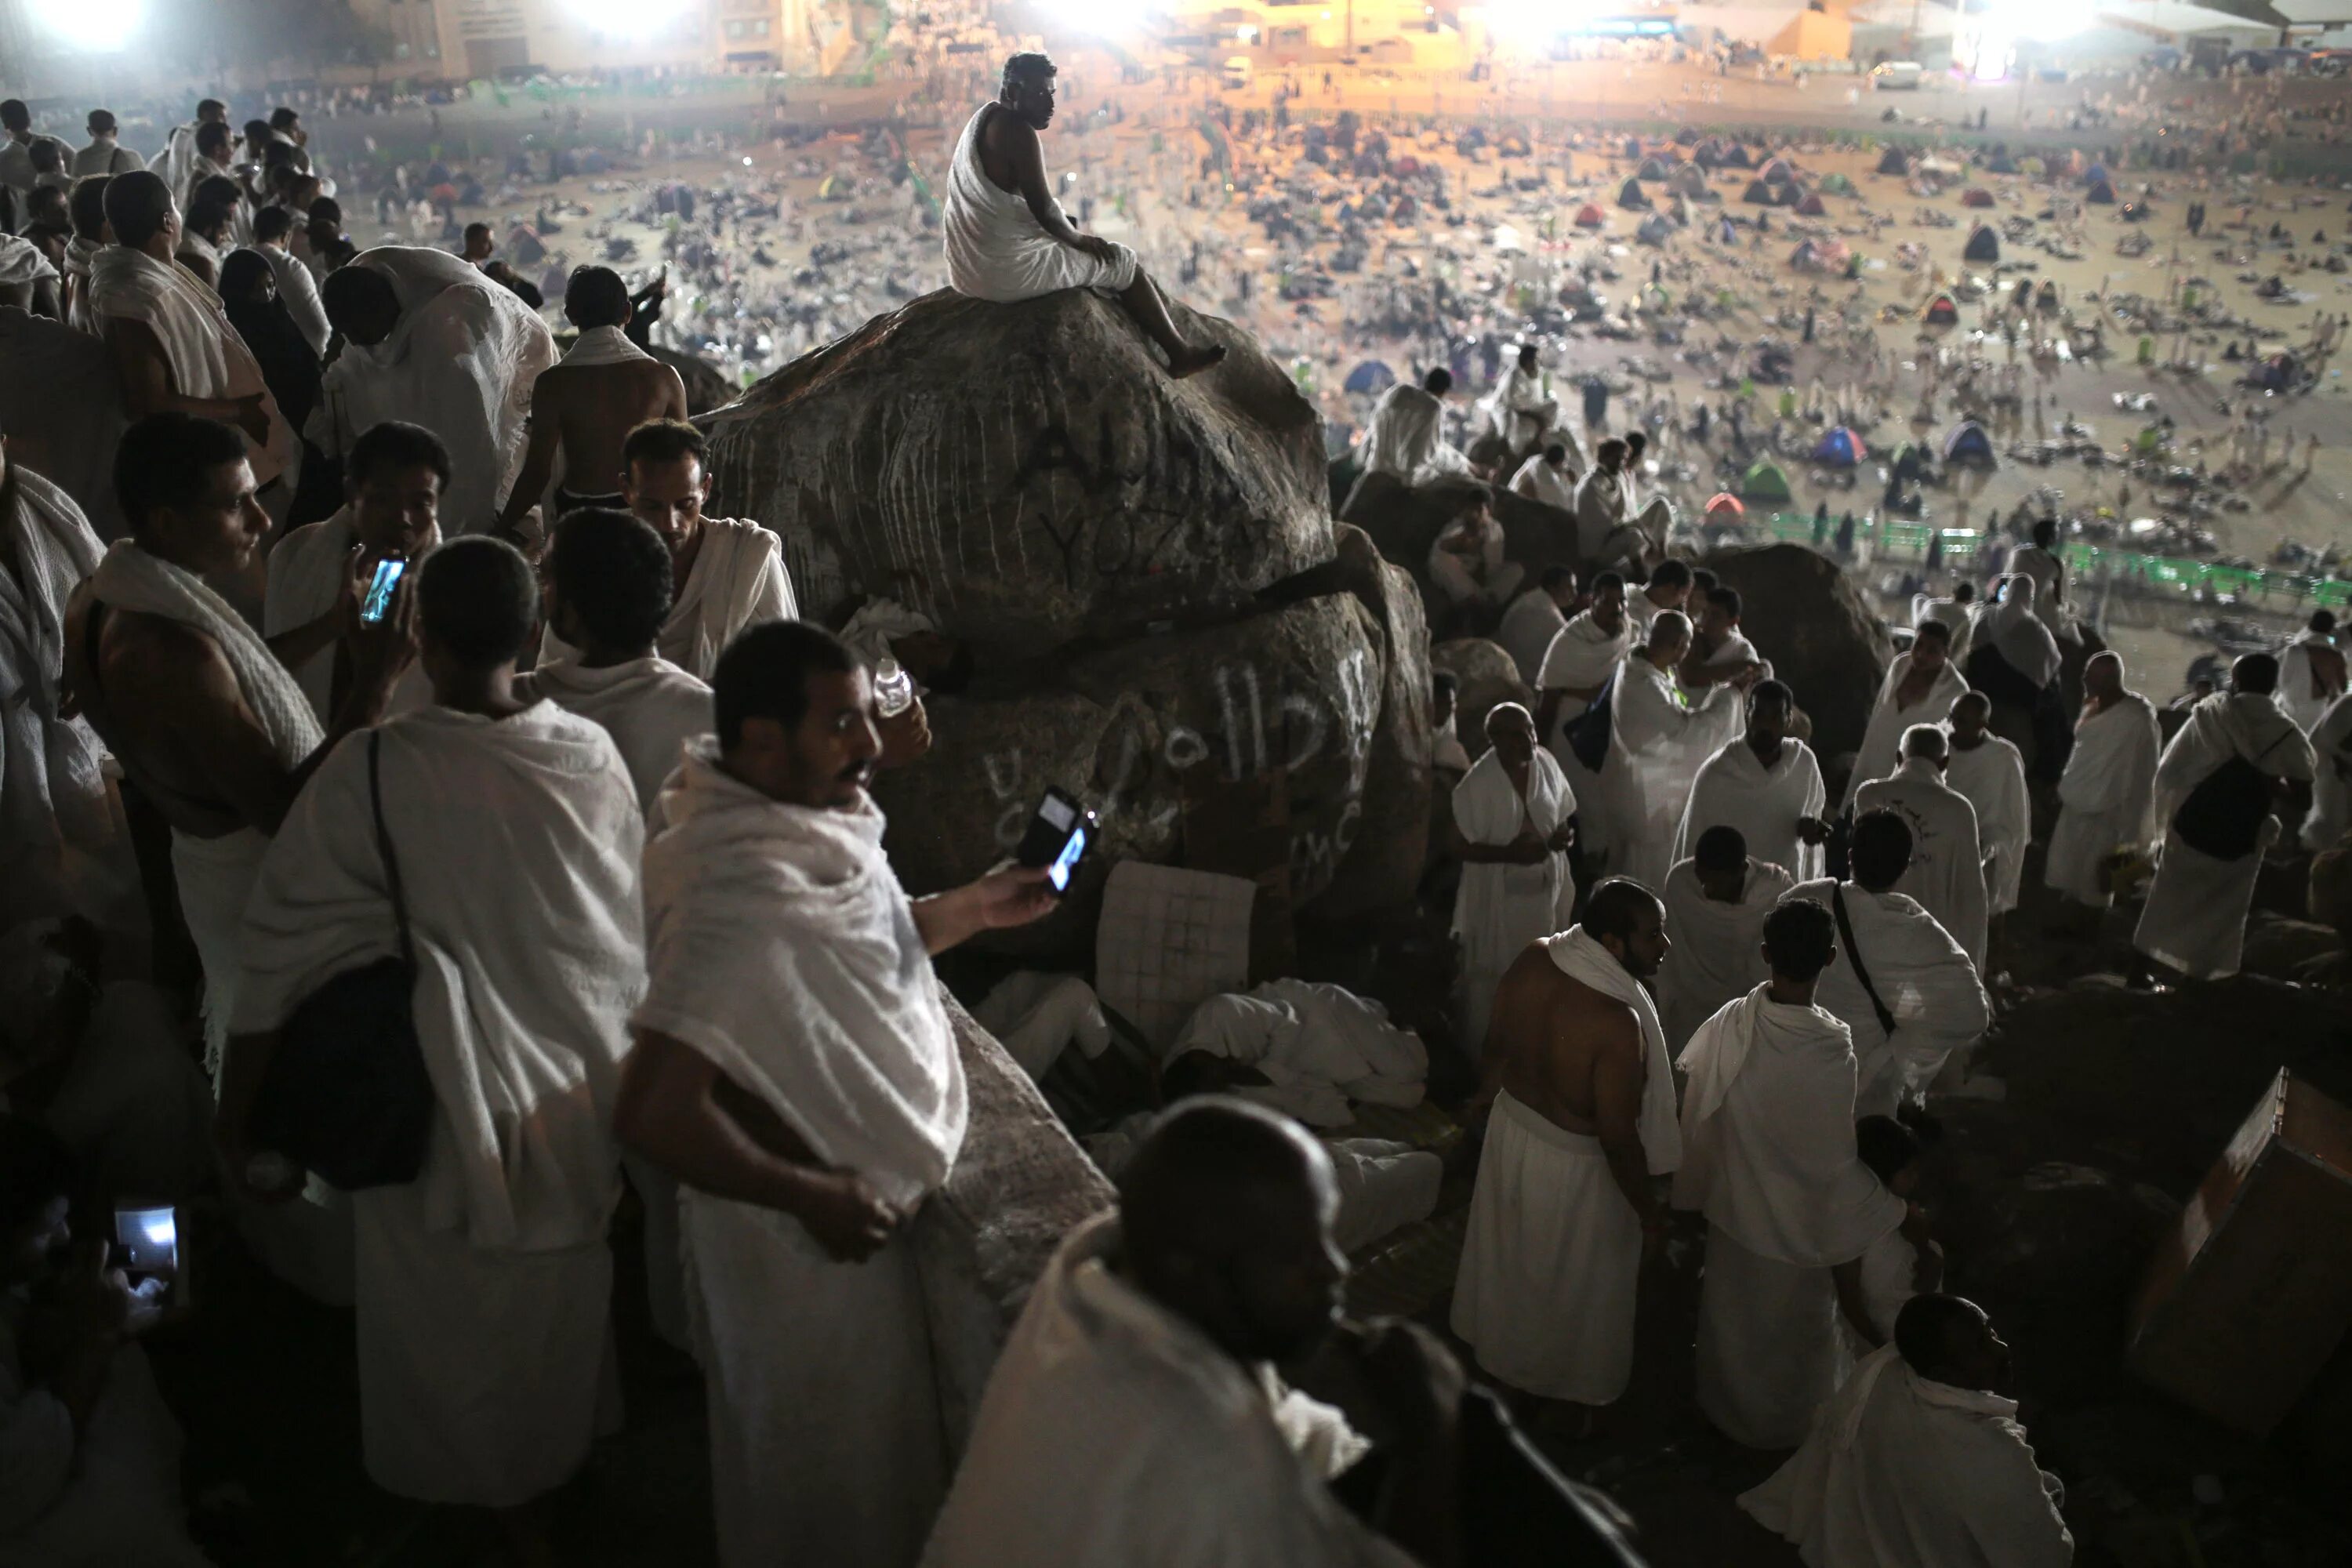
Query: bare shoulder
(1607,1024)
(160,657)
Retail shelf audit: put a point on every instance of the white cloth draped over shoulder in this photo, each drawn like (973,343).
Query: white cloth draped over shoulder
(1528,626)
(460,362)
(1405,437)
(2195,918)
(1926,983)
(1717,957)
(22,263)
(1501,907)
(204,353)
(1538,480)
(1204,1470)
(482,1286)
(1735,788)
(649,706)
(2302,695)
(997,250)
(2020,634)
(306,573)
(62,405)
(1947,870)
(2331,779)
(2105,796)
(299,290)
(1882,739)
(737,580)
(1900,1468)
(1658,742)
(65,847)
(1992,774)
(1581,957)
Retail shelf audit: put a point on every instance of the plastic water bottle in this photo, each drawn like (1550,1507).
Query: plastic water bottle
(893,688)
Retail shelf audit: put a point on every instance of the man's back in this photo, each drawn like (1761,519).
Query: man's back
(596,406)
(1552,1030)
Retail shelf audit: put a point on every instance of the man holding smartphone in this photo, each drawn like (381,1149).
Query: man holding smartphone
(795,1070)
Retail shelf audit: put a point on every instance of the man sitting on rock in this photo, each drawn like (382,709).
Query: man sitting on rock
(1467,568)
(1406,433)
(1521,409)
(1008,239)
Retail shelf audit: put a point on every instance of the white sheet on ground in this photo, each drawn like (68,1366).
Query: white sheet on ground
(2105,796)
(1992,774)
(1919,972)
(1498,908)
(1899,1468)
(1717,955)
(1115,1434)
(1734,788)
(996,248)
(1946,871)
(1036,1015)
(1322,1046)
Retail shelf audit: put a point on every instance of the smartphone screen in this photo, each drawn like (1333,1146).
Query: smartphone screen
(1073,851)
(149,1239)
(378,598)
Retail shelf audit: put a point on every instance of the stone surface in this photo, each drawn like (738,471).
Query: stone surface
(705,388)
(1027,475)
(1487,677)
(1806,616)
(1390,847)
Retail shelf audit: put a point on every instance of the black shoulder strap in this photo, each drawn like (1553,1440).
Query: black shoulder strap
(383,848)
(89,638)
(1854,957)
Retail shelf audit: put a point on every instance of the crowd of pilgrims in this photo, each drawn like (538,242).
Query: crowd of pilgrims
(521,860)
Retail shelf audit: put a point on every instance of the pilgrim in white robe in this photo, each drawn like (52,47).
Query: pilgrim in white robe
(1582,657)
(1717,955)
(1951,615)
(2105,797)
(996,248)
(306,573)
(62,405)
(1467,566)
(1991,775)
(1406,438)
(460,362)
(1611,530)
(1322,1049)
(2331,779)
(1947,874)
(1545,1292)
(299,290)
(1881,739)
(1521,410)
(1537,480)
(1734,788)
(1114,1432)
(737,580)
(2195,918)
(2043,569)
(1919,972)
(785,950)
(65,847)
(1658,740)
(1528,626)
(178,156)
(2303,694)
(484,1286)
(649,706)
(203,353)
(1768,1158)
(1500,907)
(1901,1468)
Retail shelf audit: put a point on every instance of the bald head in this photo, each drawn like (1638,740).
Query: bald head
(1225,1217)
(1670,637)
(1511,730)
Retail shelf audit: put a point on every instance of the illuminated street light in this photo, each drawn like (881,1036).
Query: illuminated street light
(101,29)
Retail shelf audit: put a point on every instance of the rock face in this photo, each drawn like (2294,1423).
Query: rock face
(705,388)
(1803,613)
(1487,677)
(1027,475)
(1392,834)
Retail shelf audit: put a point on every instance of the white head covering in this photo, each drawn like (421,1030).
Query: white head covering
(2018,633)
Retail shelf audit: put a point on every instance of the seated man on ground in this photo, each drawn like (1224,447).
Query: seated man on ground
(1008,238)
(92,1452)
(583,407)
(1920,1447)
(1898,1266)
(1549,476)
(1132,1417)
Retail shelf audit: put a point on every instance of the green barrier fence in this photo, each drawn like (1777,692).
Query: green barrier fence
(1889,540)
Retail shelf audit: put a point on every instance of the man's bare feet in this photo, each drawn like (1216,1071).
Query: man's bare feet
(1191,361)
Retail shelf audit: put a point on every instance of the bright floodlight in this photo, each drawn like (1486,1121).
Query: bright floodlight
(628,18)
(1537,21)
(99,29)
(1107,18)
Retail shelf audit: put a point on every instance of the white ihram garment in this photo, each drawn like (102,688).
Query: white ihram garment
(2194,919)
(1735,789)
(299,290)
(484,1285)
(996,248)
(1922,976)
(649,706)
(1658,740)
(1717,954)
(1900,1468)
(1538,480)
(1768,1158)
(1526,631)
(202,351)
(1991,775)
(1946,871)
(1405,437)
(1521,410)
(737,580)
(65,847)
(2297,698)
(1545,1293)
(460,362)
(1115,1434)
(2105,797)
(306,573)
(785,950)
(2331,779)
(1498,908)
(1322,1048)
(1881,739)
(1951,615)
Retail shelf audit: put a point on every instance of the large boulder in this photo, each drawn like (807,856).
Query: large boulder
(1028,475)
(706,387)
(1804,615)
(1391,838)
(1486,678)
(1405,520)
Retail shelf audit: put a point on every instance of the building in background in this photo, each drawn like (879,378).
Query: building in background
(465,40)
